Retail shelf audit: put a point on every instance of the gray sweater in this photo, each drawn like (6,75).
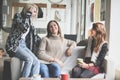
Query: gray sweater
(54,47)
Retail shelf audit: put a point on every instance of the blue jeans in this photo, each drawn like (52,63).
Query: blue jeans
(50,70)
(32,64)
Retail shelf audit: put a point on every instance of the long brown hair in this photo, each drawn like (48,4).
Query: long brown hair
(48,29)
(100,35)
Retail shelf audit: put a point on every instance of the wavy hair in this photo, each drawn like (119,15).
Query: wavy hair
(100,34)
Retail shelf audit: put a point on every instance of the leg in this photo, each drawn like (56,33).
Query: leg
(44,70)
(54,70)
(86,74)
(76,71)
(31,62)
(23,55)
(36,64)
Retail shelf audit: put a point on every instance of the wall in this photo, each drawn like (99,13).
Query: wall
(114,39)
(50,14)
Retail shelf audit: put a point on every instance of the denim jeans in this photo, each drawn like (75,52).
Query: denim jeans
(32,64)
(50,70)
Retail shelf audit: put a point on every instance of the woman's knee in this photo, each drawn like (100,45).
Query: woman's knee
(55,70)
(33,60)
(36,62)
(55,66)
(43,67)
(86,74)
(29,60)
(76,71)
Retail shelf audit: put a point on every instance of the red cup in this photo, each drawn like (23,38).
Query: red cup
(64,76)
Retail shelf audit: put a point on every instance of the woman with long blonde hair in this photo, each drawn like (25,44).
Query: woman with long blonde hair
(20,42)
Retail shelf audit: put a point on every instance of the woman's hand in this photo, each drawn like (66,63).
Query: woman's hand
(68,52)
(84,65)
(59,62)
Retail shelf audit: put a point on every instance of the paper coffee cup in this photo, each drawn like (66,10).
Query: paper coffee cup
(64,76)
(79,60)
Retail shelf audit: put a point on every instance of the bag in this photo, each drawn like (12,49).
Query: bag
(94,69)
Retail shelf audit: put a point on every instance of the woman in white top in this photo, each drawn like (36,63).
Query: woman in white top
(96,49)
(21,40)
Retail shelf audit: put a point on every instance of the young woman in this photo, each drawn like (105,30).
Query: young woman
(52,51)
(98,48)
(21,40)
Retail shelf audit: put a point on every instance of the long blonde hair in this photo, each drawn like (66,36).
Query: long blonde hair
(100,35)
(27,8)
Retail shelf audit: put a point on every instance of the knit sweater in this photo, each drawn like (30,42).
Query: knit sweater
(54,47)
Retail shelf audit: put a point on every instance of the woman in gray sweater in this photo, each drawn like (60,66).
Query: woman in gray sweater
(53,51)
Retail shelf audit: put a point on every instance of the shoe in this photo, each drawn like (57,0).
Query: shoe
(36,77)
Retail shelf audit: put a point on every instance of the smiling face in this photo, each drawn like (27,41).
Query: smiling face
(34,12)
(33,8)
(53,27)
